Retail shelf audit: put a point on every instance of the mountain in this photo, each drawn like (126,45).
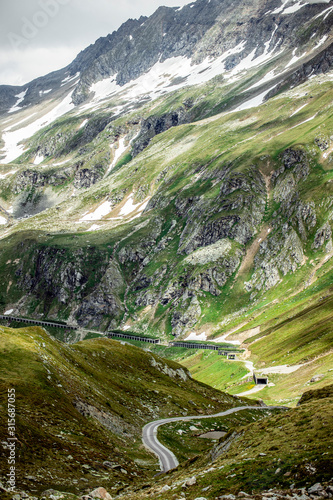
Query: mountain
(202,31)
(175,180)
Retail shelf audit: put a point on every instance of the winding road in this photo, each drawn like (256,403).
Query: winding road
(166,458)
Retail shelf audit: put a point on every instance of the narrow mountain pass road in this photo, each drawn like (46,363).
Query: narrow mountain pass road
(166,458)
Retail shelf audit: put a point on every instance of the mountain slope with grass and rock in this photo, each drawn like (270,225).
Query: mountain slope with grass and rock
(174,182)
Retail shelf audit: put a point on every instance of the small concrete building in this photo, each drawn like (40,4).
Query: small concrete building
(260,379)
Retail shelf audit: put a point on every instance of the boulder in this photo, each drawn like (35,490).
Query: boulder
(100,493)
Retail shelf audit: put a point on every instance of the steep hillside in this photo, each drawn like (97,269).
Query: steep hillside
(283,456)
(80,409)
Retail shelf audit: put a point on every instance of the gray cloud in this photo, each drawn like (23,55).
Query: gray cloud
(39,36)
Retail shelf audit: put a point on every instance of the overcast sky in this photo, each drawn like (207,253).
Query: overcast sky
(39,36)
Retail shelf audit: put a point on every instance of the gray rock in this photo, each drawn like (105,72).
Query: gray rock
(165,489)
(100,493)
(316,378)
(189,482)
(323,235)
(316,488)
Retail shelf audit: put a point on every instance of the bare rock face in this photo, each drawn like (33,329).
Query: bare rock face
(84,178)
(112,422)
(155,125)
(105,300)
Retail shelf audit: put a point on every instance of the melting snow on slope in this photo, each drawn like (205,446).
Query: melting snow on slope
(224,339)
(118,152)
(101,211)
(83,123)
(174,73)
(130,207)
(43,92)
(298,110)
(255,101)
(325,13)
(160,77)
(95,227)
(321,41)
(194,336)
(2,176)
(288,7)
(294,58)
(69,79)
(269,76)
(39,158)
(12,148)
(20,98)
(293,8)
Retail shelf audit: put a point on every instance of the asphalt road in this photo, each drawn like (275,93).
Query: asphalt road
(167,459)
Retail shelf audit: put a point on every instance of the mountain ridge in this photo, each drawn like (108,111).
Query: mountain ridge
(137,45)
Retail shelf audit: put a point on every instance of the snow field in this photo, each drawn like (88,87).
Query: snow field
(12,149)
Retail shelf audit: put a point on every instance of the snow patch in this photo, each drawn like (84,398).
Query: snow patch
(95,227)
(298,110)
(224,339)
(308,120)
(294,58)
(321,41)
(12,149)
(60,163)
(324,13)
(69,79)
(3,220)
(269,76)
(254,101)
(194,336)
(130,207)
(83,123)
(20,98)
(285,369)
(2,176)
(293,8)
(39,158)
(43,92)
(101,211)
(164,77)
(117,154)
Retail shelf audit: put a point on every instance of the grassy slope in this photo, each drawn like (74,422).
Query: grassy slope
(56,443)
(293,447)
